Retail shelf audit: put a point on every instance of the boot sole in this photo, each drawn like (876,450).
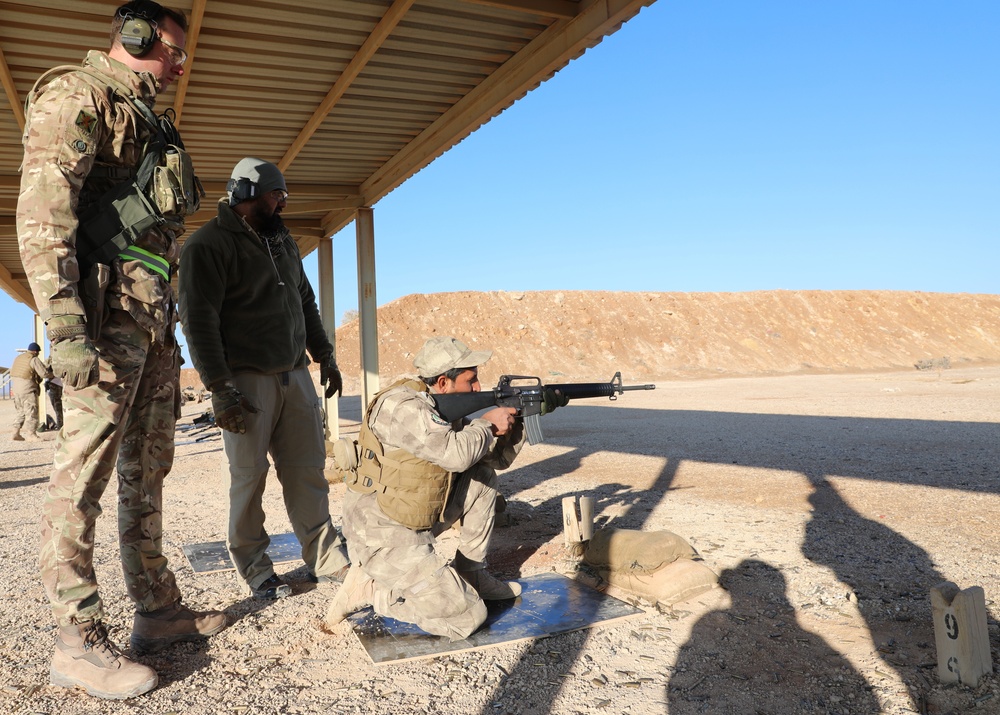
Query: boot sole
(64,681)
(142,645)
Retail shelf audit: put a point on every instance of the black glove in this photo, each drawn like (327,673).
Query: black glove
(551,399)
(231,407)
(329,375)
(73,357)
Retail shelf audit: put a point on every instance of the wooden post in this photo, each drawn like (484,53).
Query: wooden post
(586,518)
(367,305)
(331,407)
(571,522)
(960,633)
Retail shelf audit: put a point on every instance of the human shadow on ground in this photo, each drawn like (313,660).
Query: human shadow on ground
(754,658)
(24,483)
(889,578)
(938,454)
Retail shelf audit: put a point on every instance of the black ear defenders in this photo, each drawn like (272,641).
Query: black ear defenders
(138,33)
(242,189)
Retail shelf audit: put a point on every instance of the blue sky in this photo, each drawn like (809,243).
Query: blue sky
(717,146)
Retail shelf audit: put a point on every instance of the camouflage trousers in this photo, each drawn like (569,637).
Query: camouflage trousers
(128,417)
(413,582)
(289,427)
(25,404)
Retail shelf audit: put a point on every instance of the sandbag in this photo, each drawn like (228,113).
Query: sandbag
(636,551)
(673,583)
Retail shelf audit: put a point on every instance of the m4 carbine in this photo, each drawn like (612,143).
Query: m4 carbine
(524,393)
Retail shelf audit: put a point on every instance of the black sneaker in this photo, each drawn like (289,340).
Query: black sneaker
(271,589)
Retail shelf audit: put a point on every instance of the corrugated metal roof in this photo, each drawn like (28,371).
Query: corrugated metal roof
(349,97)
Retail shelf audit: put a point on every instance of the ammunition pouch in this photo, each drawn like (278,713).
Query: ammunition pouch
(176,191)
(345,463)
(113,223)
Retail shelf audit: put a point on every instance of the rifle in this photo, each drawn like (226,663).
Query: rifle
(526,398)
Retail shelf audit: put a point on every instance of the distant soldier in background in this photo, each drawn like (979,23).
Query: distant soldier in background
(88,133)
(26,374)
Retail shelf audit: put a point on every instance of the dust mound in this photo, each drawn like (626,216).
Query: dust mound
(588,335)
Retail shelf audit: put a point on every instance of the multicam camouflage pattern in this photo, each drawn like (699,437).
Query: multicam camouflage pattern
(128,417)
(26,373)
(74,124)
(413,583)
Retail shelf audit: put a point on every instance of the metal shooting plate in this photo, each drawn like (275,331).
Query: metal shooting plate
(213,556)
(549,604)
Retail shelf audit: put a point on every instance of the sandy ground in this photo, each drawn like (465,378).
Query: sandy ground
(828,504)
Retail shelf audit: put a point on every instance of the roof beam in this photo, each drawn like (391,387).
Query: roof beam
(15,289)
(367,50)
(562,41)
(319,192)
(190,44)
(307,207)
(559,9)
(11,91)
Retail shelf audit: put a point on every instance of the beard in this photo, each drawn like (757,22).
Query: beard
(272,230)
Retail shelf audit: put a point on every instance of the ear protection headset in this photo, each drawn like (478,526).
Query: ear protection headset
(242,189)
(138,33)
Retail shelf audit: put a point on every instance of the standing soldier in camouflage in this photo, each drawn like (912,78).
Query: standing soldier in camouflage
(249,315)
(112,332)
(26,374)
(416,477)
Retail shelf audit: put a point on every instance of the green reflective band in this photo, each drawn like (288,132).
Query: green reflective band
(155,263)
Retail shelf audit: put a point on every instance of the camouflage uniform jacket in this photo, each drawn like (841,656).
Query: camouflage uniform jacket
(75,123)
(406,419)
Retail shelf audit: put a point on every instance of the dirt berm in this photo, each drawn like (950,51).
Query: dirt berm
(588,335)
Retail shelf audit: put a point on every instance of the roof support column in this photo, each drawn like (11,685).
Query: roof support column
(367,305)
(331,407)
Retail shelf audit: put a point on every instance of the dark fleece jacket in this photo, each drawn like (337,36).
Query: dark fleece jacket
(236,314)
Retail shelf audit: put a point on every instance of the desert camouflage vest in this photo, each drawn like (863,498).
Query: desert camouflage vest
(162,189)
(22,367)
(409,490)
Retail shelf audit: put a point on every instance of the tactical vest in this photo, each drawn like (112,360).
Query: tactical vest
(409,490)
(22,367)
(163,187)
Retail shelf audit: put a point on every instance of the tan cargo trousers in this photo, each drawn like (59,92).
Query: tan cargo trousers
(289,427)
(414,583)
(25,404)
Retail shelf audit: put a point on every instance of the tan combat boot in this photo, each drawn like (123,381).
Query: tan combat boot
(489,587)
(87,658)
(154,630)
(357,592)
(17,435)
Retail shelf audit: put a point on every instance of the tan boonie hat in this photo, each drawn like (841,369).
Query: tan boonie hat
(439,355)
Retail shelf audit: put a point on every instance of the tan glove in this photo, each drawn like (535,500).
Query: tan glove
(74,357)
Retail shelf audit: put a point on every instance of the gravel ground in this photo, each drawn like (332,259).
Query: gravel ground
(829,505)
